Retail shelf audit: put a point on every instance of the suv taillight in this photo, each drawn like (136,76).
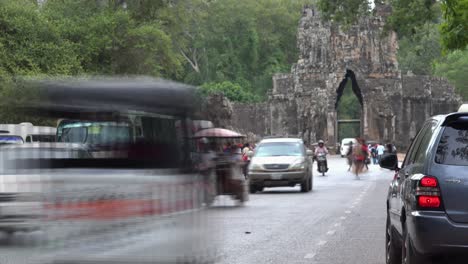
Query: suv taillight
(428,193)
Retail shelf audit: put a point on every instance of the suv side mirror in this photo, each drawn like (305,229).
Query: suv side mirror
(389,161)
(250,154)
(309,152)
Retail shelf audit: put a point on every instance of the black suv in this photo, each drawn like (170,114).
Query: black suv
(427,203)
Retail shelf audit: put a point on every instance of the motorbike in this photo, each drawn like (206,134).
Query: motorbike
(321,163)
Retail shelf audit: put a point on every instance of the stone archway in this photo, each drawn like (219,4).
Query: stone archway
(348,108)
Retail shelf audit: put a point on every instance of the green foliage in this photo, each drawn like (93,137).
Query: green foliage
(109,41)
(454,67)
(29,45)
(349,106)
(416,53)
(345,12)
(409,17)
(241,41)
(232,91)
(454,28)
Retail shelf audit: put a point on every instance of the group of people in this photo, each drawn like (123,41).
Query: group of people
(360,155)
(240,153)
(378,150)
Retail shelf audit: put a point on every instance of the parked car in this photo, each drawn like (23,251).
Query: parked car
(345,143)
(20,186)
(427,212)
(281,162)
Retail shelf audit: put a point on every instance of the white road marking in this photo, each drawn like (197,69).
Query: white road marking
(337,224)
(343,217)
(347,212)
(352,207)
(331,232)
(309,256)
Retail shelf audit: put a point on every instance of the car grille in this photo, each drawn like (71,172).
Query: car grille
(276,166)
(8,197)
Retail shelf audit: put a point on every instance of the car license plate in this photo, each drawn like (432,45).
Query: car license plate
(276,176)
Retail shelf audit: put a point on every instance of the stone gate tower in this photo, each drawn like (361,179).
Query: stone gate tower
(394,106)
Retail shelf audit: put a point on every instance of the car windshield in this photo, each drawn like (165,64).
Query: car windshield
(279,149)
(94,132)
(453,145)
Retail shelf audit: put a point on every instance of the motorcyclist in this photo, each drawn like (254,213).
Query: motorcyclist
(321,149)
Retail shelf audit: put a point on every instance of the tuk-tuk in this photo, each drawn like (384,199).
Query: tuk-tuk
(139,191)
(228,165)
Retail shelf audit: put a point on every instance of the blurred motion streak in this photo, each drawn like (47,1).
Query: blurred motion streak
(119,184)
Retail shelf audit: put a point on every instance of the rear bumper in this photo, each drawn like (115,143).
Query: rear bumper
(434,233)
(277,179)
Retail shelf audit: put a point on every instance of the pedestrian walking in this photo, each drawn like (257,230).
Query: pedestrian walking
(380,152)
(373,151)
(349,155)
(360,152)
(246,158)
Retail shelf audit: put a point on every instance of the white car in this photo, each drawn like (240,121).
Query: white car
(345,145)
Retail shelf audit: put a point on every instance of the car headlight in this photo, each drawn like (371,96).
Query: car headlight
(298,165)
(255,167)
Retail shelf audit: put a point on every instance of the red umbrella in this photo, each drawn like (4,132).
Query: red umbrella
(217,133)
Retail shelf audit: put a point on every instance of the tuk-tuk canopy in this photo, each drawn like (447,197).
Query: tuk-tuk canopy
(217,133)
(99,95)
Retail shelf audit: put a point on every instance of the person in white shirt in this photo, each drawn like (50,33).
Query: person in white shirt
(380,151)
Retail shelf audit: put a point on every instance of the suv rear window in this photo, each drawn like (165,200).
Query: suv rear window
(453,145)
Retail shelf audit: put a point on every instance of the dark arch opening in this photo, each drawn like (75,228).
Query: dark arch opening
(349,107)
(354,85)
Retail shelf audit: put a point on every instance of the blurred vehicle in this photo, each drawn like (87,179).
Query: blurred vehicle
(7,140)
(140,199)
(281,162)
(230,179)
(344,147)
(28,132)
(20,188)
(427,213)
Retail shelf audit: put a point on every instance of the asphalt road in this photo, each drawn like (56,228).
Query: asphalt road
(341,221)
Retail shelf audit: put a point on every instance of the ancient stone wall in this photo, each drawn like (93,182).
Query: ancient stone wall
(303,103)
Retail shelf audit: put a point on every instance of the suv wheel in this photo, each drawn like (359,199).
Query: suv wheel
(252,189)
(311,184)
(392,251)
(408,253)
(305,185)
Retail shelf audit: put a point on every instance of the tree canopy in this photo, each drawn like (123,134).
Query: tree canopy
(218,45)
(242,42)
